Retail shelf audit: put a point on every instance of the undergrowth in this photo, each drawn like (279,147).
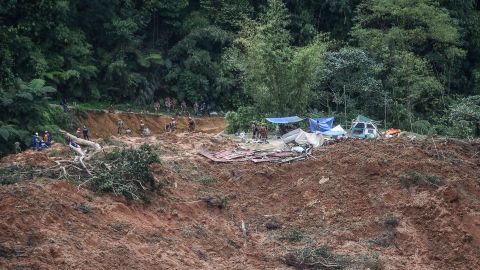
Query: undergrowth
(414,178)
(218,201)
(15,173)
(206,180)
(323,257)
(126,172)
(294,235)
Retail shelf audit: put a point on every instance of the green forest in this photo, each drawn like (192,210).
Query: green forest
(411,64)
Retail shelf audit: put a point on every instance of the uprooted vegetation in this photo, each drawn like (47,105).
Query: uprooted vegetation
(123,171)
(206,180)
(126,172)
(322,257)
(414,178)
(11,174)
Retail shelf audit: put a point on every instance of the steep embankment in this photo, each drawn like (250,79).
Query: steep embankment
(415,204)
(102,124)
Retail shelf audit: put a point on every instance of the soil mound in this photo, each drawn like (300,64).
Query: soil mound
(404,204)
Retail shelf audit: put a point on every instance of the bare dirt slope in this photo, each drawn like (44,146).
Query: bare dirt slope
(348,196)
(105,124)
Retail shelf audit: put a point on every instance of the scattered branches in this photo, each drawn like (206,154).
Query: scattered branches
(126,172)
(323,258)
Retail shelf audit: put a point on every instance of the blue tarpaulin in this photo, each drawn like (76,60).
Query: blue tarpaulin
(325,124)
(284,120)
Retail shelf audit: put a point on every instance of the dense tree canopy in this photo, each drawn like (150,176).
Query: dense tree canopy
(405,61)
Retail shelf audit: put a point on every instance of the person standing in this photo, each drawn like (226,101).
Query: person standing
(195,108)
(47,138)
(17,147)
(120,126)
(85,133)
(191,124)
(35,141)
(254,131)
(168,104)
(183,107)
(142,127)
(79,132)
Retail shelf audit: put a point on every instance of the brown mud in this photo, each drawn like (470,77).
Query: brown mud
(103,124)
(344,196)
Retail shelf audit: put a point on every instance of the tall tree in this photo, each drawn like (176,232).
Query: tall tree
(418,43)
(278,76)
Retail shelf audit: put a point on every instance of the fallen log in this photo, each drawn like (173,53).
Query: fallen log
(80,141)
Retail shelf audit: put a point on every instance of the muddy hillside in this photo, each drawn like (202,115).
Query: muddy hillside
(362,204)
(103,124)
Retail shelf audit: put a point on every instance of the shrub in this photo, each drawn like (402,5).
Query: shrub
(218,201)
(391,222)
(83,208)
(15,173)
(206,180)
(126,172)
(414,178)
(323,258)
(292,236)
(241,119)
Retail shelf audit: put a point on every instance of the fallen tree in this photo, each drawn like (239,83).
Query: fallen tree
(123,171)
(81,141)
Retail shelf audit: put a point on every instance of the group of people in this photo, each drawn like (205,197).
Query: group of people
(83,132)
(172,126)
(200,109)
(144,131)
(128,131)
(259,132)
(41,143)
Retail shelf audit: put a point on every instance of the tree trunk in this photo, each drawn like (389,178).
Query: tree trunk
(81,141)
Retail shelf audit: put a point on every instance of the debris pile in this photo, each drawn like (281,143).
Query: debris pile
(239,155)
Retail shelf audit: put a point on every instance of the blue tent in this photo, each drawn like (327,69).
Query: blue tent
(325,124)
(285,120)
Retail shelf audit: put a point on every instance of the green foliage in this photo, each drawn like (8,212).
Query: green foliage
(242,119)
(323,257)
(14,173)
(467,109)
(277,75)
(414,178)
(405,61)
(24,110)
(348,79)
(419,45)
(206,180)
(292,236)
(127,173)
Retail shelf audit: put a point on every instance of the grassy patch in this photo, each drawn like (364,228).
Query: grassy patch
(83,208)
(218,201)
(206,180)
(414,178)
(12,174)
(324,258)
(294,235)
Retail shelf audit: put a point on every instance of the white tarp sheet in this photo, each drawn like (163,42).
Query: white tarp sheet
(301,137)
